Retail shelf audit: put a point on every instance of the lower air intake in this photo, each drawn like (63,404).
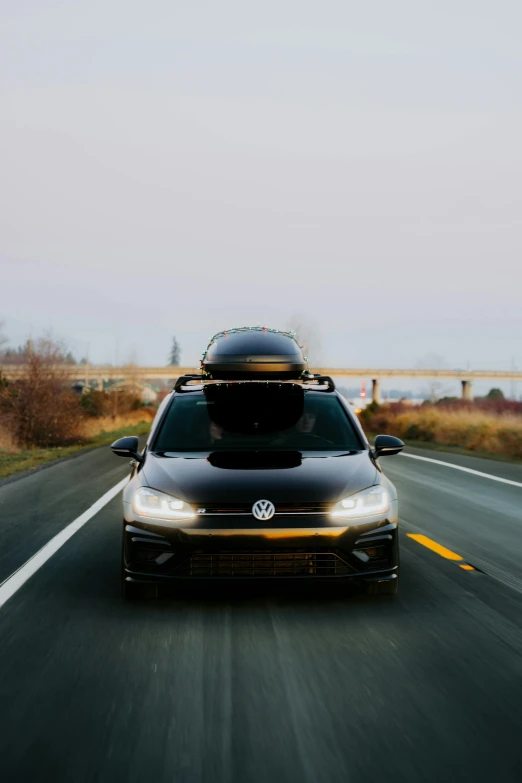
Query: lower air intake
(263,564)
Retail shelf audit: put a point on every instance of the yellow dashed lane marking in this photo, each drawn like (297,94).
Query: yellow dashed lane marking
(440,550)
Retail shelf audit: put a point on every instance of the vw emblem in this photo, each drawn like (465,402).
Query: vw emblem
(263,509)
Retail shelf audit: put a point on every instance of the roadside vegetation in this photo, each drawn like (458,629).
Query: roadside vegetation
(490,425)
(43,419)
(21,459)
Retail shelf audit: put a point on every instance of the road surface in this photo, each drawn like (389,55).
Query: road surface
(265,685)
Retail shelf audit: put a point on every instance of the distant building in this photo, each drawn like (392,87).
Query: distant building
(145,391)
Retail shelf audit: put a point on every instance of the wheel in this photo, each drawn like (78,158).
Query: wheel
(388,587)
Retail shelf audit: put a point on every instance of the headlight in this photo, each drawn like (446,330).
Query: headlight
(150,503)
(374,500)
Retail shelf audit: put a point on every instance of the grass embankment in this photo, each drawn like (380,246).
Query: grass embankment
(467,431)
(97,432)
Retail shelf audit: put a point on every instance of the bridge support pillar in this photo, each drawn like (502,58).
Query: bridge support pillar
(100,384)
(376,390)
(467,390)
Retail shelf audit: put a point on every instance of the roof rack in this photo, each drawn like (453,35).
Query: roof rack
(309,381)
(325,380)
(184,380)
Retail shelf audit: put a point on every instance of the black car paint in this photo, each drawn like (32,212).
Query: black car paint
(318,478)
(322,477)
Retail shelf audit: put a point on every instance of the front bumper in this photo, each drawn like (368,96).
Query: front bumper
(158,552)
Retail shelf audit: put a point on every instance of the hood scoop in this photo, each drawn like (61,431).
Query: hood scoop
(255,460)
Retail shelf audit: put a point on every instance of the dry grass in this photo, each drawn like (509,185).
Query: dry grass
(93,432)
(92,427)
(7,442)
(32,459)
(89,429)
(468,429)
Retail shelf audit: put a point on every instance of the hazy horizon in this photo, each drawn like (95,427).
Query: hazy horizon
(178,170)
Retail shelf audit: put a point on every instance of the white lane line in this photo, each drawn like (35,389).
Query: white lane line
(14,582)
(466,470)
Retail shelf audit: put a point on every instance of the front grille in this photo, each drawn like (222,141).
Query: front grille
(246,508)
(303,508)
(265,563)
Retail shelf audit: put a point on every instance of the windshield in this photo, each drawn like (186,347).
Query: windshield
(242,419)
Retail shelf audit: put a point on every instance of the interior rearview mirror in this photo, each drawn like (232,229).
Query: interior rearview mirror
(127,447)
(387,445)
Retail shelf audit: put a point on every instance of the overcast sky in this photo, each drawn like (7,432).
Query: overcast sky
(179,168)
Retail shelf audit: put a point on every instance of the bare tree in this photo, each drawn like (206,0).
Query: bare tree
(3,338)
(40,408)
(175,353)
(436,389)
(132,358)
(21,354)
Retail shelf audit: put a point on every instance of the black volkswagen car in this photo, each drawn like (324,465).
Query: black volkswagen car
(258,469)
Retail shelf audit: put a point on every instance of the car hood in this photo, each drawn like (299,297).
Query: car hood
(247,477)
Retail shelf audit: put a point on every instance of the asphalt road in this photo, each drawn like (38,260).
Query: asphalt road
(264,685)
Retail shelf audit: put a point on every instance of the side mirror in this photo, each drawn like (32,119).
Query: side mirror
(387,445)
(127,447)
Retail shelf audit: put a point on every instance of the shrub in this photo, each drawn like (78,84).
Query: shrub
(40,409)
(94,403)
(122,401)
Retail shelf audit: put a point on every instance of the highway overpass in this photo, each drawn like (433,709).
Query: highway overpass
(99,373)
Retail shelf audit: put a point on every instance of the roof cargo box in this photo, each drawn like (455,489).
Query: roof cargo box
(253,352)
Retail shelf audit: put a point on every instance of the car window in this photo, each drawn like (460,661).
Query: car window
(157,418)
(242,419)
